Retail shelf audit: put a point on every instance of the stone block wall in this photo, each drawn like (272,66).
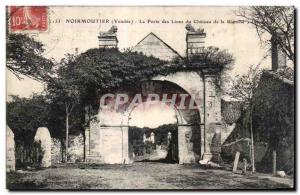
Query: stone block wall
(10,150)
(108,145)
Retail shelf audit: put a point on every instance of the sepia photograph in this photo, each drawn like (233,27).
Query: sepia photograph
(150,98)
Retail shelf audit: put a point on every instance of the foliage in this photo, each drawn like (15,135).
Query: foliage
(24,55)
(286,72)
(28,154)
(269,111)
(161,137)
(274,109)
(105,70)
(243,89)
(76,81)
(25,115)
(108,69)
(57,119)
(161,132)
(273,119)
(243,86)
(62,90)
(212,57)
(277,21)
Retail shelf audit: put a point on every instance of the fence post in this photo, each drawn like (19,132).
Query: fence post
(245,164)
(236,161)
(274,163)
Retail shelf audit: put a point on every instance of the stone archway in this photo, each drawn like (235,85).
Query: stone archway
(188,120)
(108,137)
(203,81)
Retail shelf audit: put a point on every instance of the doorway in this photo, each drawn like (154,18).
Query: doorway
(153,134)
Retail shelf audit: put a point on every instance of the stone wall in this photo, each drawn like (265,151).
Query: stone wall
(107,145)
(10,150)
(43,138)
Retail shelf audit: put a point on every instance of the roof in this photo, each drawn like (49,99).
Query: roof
(151,33)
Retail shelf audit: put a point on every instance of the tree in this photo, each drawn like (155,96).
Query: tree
(63,92)
(243,88)
(24,56)
(25,115)
(66,96)
(277,21)
(273,117)
(100,71)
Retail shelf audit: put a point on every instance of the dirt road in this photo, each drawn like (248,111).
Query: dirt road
(140,175)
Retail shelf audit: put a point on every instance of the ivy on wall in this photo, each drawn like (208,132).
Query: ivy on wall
(105,70)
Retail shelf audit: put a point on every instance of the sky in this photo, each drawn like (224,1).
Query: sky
(63,36)
(153,117)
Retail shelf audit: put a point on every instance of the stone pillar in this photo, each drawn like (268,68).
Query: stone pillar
(278,56)
(43,137)
(10,150)
(216,145)
(186,153)
(212,134)
(87,141)
(108,39)
(125,153)
(194,41)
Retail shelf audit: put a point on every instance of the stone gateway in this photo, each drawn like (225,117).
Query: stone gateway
(199,129)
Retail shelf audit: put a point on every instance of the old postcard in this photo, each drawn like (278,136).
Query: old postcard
(150,98)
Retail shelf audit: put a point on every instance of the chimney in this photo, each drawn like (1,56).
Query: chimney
(108,39)
(194,41)
(76,51)
(277,54)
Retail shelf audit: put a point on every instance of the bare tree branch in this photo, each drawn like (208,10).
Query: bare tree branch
(274,20)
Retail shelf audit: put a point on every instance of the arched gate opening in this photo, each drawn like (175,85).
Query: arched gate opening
(109,136)
(188,135)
